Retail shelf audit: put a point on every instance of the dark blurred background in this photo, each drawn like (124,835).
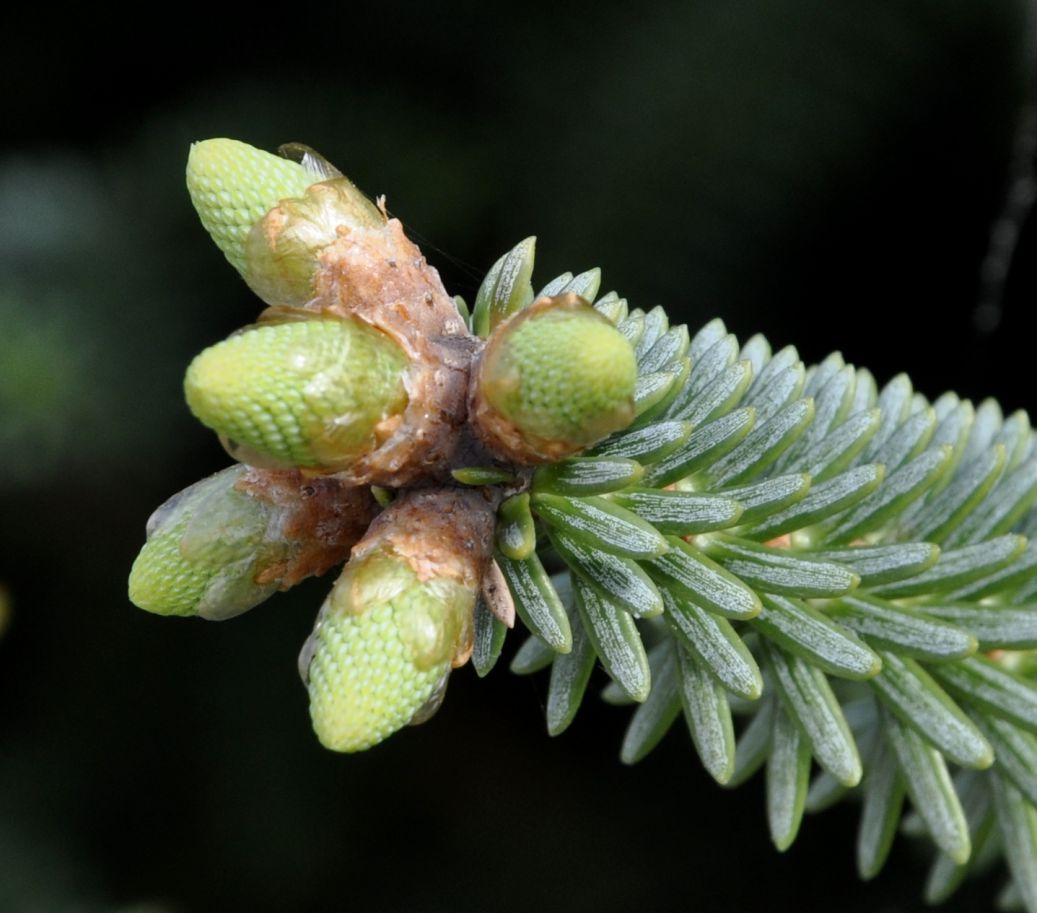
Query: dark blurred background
(826,173)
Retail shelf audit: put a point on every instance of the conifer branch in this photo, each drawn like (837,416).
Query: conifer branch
(816,573)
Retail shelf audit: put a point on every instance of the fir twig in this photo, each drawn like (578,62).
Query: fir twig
(844,569)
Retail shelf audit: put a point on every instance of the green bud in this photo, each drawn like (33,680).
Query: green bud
(226,543)
(382,649)
(200,557)
(233,185)
(399,618)
(553,380)
(310,393)
(282,250)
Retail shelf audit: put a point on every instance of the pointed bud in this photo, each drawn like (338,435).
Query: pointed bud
(554,379)
(311,393)
(383,643)
(233,185)
(225,544)
(272,217)
(398,619)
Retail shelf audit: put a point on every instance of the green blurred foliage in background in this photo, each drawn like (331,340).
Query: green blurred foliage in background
(826,173)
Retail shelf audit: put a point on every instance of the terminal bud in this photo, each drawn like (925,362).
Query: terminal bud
(554,379)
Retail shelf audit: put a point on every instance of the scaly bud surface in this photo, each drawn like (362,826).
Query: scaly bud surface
(311,393)
(553,380)
(223,545)
(384,642)
(283,249)
(180,566)
(398,619)
(233,185)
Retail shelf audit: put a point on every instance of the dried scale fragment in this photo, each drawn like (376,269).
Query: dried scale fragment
(281,249)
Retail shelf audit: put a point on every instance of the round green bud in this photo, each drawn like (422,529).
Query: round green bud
(553,380)
(310,393)
(381,650)
(201,555)
(282,250)
(233,185)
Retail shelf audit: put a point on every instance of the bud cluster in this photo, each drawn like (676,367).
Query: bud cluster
(362,378)
(723,530)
